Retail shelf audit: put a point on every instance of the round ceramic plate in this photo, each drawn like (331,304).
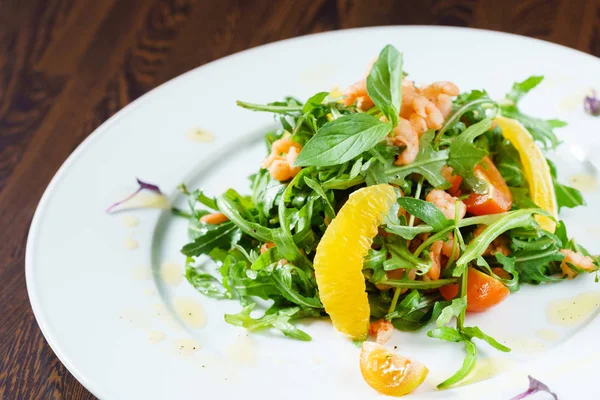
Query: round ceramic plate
(108,292)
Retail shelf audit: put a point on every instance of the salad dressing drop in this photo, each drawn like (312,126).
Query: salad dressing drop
(572,311)
(242,350)
(185,346)
(584,182)
(155,337)
(130,244)
(200,135)
(171,273)
(548,335)
(190,312)
(129,221)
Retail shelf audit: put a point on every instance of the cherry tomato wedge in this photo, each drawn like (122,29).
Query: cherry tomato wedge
(483,291)
(454,180)
(497,199)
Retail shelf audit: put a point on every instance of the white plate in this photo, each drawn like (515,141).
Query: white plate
(96,309)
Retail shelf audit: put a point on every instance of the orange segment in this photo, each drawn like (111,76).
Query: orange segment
(339,258)
(389,373)
(537,171)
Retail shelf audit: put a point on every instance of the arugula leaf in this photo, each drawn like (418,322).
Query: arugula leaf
(446,333)
(415,311)
(541,130)
(230,205)
(566,196)
(223,237)
(204,282)
(473,331)
(314,185)
(401,257)
(265,190)
(245,282)
(467,366)
(384,83)
(508,221)
(314,102)
(508,264)
(282,276)
(508,162)
(276,108)
(464,156)
(454,309)
(425,211)
(536,266)
(428,163)
(269,257)
(519,89)
(278,319)
(342,139)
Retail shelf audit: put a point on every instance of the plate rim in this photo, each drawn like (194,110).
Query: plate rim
(80,150)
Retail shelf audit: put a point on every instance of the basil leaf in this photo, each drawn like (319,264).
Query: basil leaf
(425,211)
(342,139)
(464,156)
(384,83)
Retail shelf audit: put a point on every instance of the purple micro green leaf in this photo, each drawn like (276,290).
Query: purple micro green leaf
(591,104)
(534,387)
(142,186)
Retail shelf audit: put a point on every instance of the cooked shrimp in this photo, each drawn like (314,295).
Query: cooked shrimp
(440,94)
(577,259)
(427,110)
(418,123)
(448,246)
(278,148)
(408,95)
(282,171)
(436,268)
(214,219)
(381,330)
(283,155)
(446,203)
(358,93)
(405,134)
(398,274)
(266,246)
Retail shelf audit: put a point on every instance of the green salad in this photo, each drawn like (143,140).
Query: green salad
(473,215)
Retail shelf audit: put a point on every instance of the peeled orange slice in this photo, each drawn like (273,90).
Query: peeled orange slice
(537,171)
(389,373)
(339,258)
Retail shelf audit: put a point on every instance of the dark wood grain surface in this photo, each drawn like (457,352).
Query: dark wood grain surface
(68,65)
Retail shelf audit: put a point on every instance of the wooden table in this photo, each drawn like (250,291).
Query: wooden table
(68,65)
